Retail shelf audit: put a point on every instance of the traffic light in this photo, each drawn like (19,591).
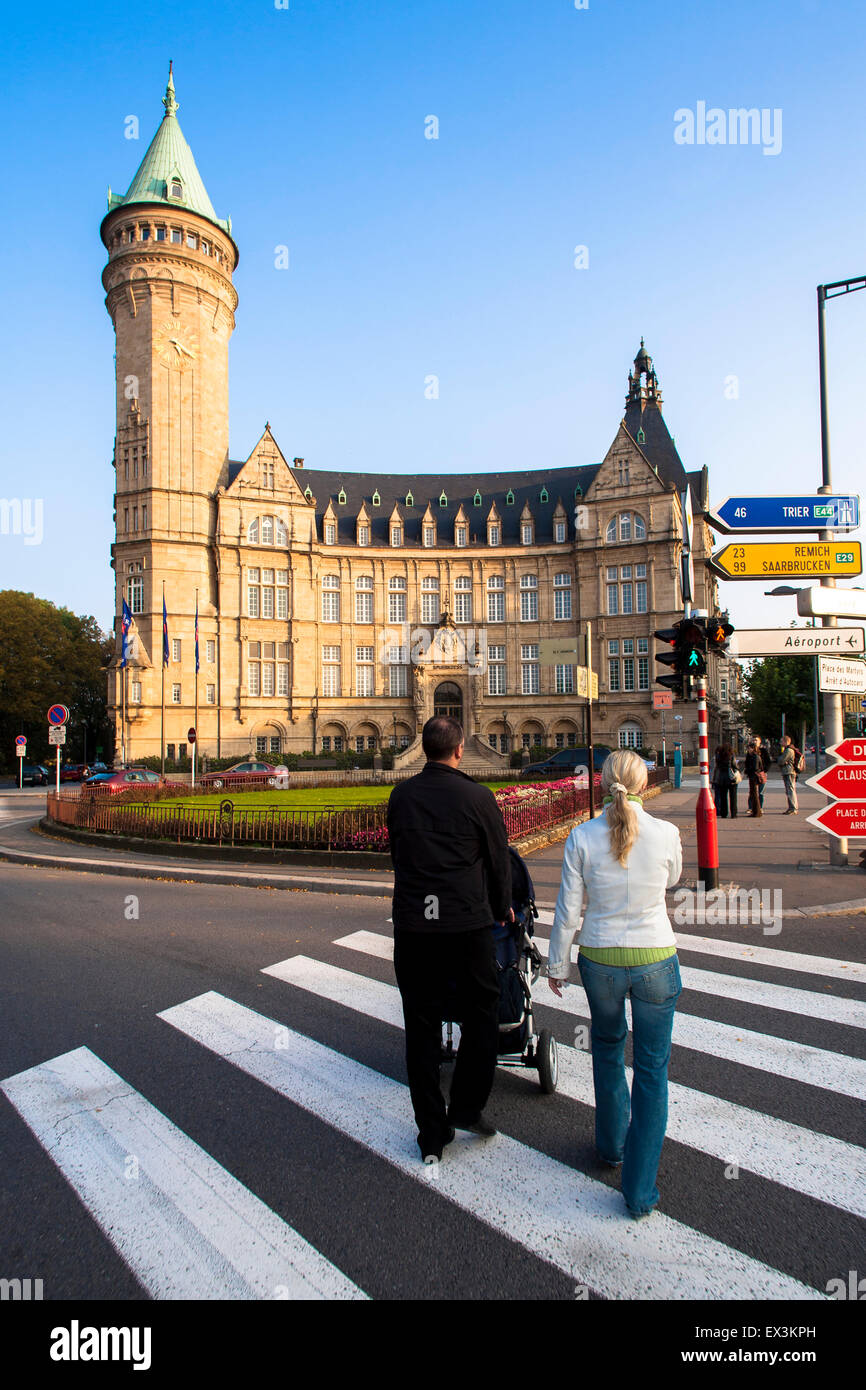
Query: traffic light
(672,658)
(718,635)
(692,647)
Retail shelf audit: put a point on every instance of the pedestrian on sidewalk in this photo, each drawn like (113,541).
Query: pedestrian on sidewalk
(789,761)
(725,780)
(452,881)
(623,862)
(756,765)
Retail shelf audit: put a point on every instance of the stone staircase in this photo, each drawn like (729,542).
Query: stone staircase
(479,760)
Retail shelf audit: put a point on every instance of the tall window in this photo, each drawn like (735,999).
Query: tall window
(559,532)
(210,694)
(210,650)
(529,600)
(496,600)
(364,670)
(526,533)
(175,694)
(364,599)
(397,599)
(529,678)
(396,535)
(331,598)
(429,535)
(463,599)
(643,663)
(640,589)
(363,533)
(330,533)
(494,533)
(330,670)
(135,697)
(175,649)
(565,680)
(628,663)
(135,595)
(460,535)
(429,599)
(496,669)
(561,597)
(397,673)
(254,581)
(613,665)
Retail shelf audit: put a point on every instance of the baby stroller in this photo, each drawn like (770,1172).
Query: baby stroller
(519,967)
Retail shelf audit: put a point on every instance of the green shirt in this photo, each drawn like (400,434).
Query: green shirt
(627,955)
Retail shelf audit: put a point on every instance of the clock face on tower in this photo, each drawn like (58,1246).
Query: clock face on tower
(174,346)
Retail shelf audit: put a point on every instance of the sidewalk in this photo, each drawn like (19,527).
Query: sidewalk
(773,852)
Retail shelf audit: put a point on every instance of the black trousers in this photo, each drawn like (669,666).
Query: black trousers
(722,795)
(437,972)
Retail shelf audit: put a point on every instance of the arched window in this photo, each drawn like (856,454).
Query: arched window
(630,735)
(253,532)
(267,530)
(331,598)
(639,527)
(610,533)
(364,599)
(176,188)
(625,526)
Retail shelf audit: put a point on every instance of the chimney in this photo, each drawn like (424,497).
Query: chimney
(298,463)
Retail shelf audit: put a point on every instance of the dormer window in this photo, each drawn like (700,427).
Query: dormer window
(376,499)
(363,533)
(494,533)
(509,498)
(429,535)
(341,497)
(543,497)
(526,533)
(460,535)
(559,532)
(443,500)
(476,500)
(396,535)
(410,500)
(641,437)
(330,533)
(176,189)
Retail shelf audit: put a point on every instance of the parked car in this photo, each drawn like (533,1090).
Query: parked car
(34,775)
(120,781)
(74,772)
(565,760)
(251,773)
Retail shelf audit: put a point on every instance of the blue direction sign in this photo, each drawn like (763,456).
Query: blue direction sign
(809,513)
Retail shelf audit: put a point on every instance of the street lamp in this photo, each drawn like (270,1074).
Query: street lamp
(505,726)
(833,725)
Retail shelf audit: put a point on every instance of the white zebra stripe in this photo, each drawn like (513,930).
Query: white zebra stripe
(761,955)
(186,1228)
(798,1061)
(814,1164)
(559,1215)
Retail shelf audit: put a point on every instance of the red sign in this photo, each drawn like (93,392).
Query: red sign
(844,819)
(190,735)
(842,780)
(852,750)
(663,699)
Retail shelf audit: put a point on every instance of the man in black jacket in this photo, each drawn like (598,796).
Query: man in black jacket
(452,881)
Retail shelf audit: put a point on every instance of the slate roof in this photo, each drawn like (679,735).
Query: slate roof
(560,483)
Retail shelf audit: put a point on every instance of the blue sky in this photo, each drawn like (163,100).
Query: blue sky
(454,257)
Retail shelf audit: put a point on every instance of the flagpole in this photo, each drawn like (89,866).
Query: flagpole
(162,690)
(196,715)
(123,716)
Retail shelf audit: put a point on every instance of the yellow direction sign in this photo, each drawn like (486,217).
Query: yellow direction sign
(796,559)
(583,683)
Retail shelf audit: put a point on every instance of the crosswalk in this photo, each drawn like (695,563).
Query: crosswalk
(188,1228)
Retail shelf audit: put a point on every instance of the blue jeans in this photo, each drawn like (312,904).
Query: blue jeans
(636,1137)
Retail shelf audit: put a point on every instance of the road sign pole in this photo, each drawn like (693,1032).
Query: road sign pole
(833,723)
(590,756)
(705,812)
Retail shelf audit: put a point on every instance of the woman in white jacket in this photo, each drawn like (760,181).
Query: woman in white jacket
(623,862)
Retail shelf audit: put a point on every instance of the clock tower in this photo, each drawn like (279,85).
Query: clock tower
(170,296)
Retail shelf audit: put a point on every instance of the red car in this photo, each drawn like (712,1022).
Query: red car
(74,772)
(126,779)
(252,773)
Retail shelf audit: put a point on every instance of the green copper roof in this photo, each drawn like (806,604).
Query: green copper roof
(169,158)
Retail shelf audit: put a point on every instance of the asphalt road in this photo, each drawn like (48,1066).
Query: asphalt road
(90,961)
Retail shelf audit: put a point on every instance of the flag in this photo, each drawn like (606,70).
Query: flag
(196,634)
(125,623)
(164,633)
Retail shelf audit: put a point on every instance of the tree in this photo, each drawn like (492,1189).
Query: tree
(775,686)
(48,656)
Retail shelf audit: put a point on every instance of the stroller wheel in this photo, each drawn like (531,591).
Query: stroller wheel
(545,1060)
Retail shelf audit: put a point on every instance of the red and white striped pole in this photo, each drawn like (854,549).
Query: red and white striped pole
(705,813)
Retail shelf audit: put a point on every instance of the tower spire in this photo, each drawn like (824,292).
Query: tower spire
(169,101)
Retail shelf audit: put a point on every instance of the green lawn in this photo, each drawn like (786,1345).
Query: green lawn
(294,799)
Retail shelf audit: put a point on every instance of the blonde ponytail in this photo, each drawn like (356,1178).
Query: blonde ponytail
(624,774)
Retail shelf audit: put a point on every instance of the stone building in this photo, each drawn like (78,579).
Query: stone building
(339,610)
